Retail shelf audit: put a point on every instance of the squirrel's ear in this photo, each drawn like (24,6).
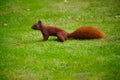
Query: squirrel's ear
(39,22)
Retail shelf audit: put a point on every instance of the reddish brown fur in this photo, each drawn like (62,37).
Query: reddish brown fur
(86,32)
(50,31)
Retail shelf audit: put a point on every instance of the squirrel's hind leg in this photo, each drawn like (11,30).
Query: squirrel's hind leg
(61,37)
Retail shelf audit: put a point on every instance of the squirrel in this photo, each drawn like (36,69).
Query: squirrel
(84,32)
(50,31)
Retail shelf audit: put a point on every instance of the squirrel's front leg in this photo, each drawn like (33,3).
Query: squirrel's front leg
(45,37)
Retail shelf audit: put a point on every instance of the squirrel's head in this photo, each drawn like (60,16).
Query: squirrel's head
(37,26)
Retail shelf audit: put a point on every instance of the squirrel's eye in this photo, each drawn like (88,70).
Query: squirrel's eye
(37,26)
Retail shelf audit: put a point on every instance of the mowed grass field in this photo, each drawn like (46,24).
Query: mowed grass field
(24,56)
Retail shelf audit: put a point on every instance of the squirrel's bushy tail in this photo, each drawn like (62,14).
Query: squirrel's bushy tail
(87,32)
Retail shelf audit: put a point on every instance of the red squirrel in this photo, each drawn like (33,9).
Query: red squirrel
(85,32)
(50,31)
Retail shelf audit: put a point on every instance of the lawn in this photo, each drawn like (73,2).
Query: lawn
(24,56)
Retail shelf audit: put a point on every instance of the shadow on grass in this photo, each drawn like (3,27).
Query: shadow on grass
(40,41)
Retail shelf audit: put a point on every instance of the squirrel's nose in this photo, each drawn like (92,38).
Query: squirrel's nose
(32,27)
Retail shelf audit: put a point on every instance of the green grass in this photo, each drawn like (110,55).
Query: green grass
(24,56)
